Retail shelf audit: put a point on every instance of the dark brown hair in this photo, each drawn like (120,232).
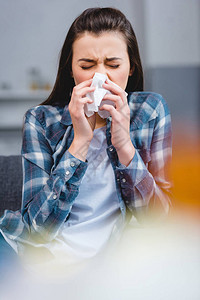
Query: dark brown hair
(95,21)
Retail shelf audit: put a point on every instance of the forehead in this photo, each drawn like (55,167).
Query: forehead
(106,43)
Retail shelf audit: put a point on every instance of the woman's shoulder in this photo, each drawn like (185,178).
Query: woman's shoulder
(151,97)
(45,114)
(146,106)
(148,101)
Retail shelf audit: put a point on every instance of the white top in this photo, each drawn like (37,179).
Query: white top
(95,213)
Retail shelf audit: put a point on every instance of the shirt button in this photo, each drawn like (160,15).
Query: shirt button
(123,180)
(67,172)
(72,164)
(111,149)
(54,196)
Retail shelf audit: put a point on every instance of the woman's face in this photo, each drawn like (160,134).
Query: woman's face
(106,54)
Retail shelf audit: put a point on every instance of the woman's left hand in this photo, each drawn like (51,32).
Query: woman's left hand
(120,127)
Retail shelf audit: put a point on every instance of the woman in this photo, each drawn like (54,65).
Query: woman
(82,175)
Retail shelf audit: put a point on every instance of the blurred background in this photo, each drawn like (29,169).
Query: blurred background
(168,32)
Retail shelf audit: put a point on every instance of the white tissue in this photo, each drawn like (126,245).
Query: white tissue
(97,96)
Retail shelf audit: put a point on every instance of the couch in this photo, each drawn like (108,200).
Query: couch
(10,182)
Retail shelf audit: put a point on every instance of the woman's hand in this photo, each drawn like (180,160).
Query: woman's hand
(120,127)
(83,126)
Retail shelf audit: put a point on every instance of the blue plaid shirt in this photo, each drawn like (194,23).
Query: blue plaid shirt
(52,175)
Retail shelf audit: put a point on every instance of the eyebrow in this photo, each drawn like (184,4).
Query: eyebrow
(92,60)
(113,58)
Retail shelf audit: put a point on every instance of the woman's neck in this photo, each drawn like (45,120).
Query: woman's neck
(99,121)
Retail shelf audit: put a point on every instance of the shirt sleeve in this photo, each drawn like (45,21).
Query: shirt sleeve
(146,183)
(49,189)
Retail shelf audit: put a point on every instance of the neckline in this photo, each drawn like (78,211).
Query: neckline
(99,128)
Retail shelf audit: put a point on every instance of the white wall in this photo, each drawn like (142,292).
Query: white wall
(172,32)
(32,34)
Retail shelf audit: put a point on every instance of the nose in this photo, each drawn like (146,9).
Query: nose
(101,68)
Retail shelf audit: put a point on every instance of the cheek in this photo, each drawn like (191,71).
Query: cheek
(122,79)
(77,79)
(76,76)
(81,76)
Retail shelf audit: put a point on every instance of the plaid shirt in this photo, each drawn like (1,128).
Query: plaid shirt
(52,176)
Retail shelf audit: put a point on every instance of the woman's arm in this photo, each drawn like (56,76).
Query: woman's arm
(50,187)
(145,183)
(48,190)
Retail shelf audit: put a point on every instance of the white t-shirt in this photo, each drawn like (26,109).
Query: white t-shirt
(95,214)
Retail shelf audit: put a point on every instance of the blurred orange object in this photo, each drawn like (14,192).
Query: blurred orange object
(186,177)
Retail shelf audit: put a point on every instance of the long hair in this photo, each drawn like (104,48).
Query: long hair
(95,21)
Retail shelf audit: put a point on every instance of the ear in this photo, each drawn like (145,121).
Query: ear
(132,71)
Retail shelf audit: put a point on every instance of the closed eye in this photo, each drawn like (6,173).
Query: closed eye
(86,68)
(89,67)
(114,66)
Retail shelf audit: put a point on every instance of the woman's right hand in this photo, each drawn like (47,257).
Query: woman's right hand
(83,126)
